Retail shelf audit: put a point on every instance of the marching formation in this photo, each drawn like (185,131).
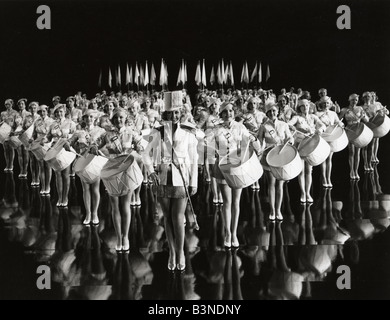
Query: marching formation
(230,139)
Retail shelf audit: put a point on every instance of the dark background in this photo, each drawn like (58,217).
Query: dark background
(298,39)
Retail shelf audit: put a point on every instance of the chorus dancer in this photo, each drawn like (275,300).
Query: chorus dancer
(200,119)
(229,137)
(379,110)
(123,102)
(120,140)
(109,108)
(286,112)
(31,121)
(56,100)
(324,93)
(61,128)
(186,115)
(94,105)
(138,121)
(148,110)
(252,119)
(274,132)
(177,173)
(81,140)
(41,128)
(210,157)
(8,116)
(353,114)
(74,113)
(23,155)
(329,118)
(306,124)
(158,102)
(372,109)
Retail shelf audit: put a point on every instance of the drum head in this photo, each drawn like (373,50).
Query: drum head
(275,158)
(117,165)
(51,154)
(82,162)
(35,145)
(378,120)
(5,127)
(355,130)
(332,133)
(308,145)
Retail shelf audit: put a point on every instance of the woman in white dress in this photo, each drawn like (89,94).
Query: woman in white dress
(81,140)
(62,128)
(274,132)
(227,137)
(329,118)
(305,123)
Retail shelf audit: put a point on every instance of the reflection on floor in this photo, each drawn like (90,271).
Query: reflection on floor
(294,259)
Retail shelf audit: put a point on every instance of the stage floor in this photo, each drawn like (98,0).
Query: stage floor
(342,240)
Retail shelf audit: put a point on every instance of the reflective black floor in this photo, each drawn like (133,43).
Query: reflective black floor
(294,259)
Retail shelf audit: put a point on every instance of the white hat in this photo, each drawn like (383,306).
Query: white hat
(325,99)
(173,100)
(223,106)
(270,106)
(302,102)
(353,96)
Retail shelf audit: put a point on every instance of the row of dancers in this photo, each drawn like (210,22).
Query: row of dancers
(169,158)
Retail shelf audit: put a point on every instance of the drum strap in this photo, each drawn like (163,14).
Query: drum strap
(272,135)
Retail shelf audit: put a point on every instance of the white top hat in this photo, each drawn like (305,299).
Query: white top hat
(173,100)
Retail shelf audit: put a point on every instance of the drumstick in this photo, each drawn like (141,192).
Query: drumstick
(346,128)
(305,134)
(186,191)
(125,159)
(329,134)
(77,154)
(376,113)
(284,146)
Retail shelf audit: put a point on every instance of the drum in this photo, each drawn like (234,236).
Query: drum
(314,150)
(121,175)
(284,164)
(59,159)
(380,125)
(359,134)
(14,142)
(336,137)
(240,175)
(89,167)
(5,130)
(38,150)
(26,136)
